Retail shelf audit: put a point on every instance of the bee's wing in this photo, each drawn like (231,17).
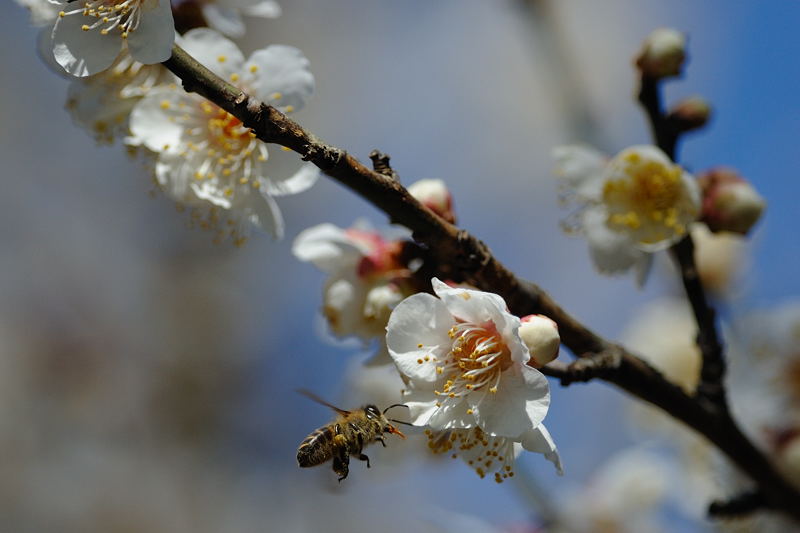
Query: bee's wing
(310,395)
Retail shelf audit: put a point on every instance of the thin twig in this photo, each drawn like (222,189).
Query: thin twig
(712,372)
(462,257)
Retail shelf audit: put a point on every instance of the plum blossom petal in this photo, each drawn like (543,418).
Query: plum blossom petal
(82,53)
(225,20)
(416,332)
(302,180)
(284,77)
(580,168)
(328,248)
(218,54)
(155,44)
(262,8)
(538,440)
(521,401)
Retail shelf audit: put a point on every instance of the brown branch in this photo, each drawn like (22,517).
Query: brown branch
(462,257)
(599,365)
(740,505)
(711,387)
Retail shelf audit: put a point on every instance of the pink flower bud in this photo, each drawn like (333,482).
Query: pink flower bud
(434,195)
(730,203)
(662,54)
(540,335)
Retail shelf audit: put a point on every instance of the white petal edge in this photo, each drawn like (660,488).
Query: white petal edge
(152,41)
(538,440)
(224,19)
(327,247)
(211,49)
(302,180)
(580,168)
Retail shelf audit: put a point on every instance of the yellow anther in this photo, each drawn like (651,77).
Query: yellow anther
(234,77)
(222,59)
(253,68)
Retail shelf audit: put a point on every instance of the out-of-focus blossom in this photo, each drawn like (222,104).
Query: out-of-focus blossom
(465,363)
(225,16)
(369,276)
(764,370)
(730,203)
(90,34)
(206,158)
(434,195)
(623,496)
(637,203)
(663,334)
(720,258)
(663,53)
(102,103)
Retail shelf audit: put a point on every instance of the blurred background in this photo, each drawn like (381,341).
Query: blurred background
(147,375)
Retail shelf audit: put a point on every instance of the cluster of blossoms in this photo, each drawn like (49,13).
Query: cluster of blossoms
(204,158)
(370,271)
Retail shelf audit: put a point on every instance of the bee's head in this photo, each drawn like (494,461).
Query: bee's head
(372,412)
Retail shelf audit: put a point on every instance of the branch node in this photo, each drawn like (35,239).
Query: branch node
(596,365)
(380,162)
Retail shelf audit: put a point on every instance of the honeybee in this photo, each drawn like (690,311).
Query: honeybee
(347,435)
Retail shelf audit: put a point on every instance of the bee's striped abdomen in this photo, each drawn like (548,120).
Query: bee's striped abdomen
(316,448)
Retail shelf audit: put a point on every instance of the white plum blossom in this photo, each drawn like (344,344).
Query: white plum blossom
(465,364)
(89,35)
(206,158)
(637,203)
(225,16)
(368,278)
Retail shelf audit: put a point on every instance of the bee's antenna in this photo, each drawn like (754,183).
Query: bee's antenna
(401,422)
(394,405)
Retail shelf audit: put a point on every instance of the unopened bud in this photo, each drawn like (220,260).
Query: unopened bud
(663,53)
(540,335)
(691,113)
(434,195)
(730,203)
(380,301)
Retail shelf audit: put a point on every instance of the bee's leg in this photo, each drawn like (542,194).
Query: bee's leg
(341,464)
(341,453)
(380,439)
(361,447)
(363,457)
